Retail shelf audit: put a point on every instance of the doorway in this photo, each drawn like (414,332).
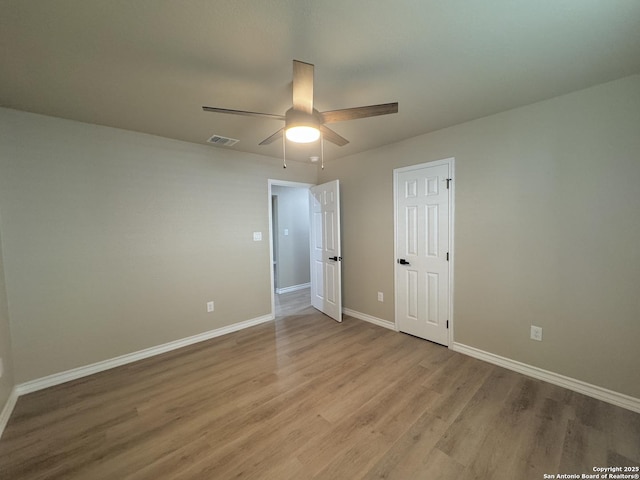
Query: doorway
(289,246)
(423,208)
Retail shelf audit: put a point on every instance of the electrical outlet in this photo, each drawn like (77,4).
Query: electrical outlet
(210,307)
(286,231)
(380,297)
(536,333)
(257,236)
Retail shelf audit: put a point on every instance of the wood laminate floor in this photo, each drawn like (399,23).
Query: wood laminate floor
(305,397)
(292,302)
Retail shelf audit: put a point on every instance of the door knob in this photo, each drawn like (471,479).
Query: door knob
(402,261)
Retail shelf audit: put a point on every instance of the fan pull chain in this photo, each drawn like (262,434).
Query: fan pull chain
(284,151)
(322,149)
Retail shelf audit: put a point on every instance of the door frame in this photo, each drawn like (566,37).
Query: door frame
(452,186)
(280,183)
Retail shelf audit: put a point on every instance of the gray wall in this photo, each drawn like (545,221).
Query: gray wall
(114,241)
(293,249)
(6,382)
(547,231)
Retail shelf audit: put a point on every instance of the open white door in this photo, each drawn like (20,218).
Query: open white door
(326,260)
(423,245)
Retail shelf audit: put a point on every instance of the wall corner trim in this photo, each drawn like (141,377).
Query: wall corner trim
(370,318)
(62,377)
(8,409)
(594,391)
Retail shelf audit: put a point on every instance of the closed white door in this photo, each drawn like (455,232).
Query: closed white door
(423,249)
(326,260)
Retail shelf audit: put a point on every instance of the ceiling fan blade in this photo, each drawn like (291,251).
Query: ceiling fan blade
(272,138)
(332,136)
(303,86)
(242,112)
(333,116)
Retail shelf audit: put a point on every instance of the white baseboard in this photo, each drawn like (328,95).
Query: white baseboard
(371,319)
(62,377)
(293,288)
(8,409)
(609,396)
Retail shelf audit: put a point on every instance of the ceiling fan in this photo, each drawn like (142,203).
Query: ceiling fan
(303,123)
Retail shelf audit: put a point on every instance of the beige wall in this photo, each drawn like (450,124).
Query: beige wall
(547,231)
(6,382)
(114,241)
(293,249)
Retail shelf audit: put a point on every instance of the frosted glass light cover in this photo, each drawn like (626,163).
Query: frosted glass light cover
(303,134)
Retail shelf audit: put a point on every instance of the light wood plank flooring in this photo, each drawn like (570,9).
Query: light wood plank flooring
(292,302)
(305,397)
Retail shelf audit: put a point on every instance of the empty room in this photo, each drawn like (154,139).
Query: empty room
(319,239)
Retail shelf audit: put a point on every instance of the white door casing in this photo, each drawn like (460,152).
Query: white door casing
(326,259)
(423,249)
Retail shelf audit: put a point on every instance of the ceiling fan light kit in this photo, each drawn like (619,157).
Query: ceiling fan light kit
(302,127)
(305,124)
(302,134)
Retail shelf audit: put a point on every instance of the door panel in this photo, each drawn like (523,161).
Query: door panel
(412,295)
(326,260)
(422,242)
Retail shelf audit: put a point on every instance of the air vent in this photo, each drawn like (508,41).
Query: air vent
(222,141)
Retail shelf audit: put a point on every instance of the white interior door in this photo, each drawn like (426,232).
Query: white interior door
(422,250)
(326,259)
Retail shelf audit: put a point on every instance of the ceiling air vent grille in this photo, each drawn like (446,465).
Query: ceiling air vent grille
(222,141)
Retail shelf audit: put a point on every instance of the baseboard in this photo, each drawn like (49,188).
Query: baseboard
(371,319)
(293,288)
(609,396)
(8,409)
(62,377)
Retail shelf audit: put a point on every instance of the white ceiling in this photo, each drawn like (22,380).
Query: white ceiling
(149,65)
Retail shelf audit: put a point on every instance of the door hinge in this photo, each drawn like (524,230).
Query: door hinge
(447,256)
(448,181)
(447,323)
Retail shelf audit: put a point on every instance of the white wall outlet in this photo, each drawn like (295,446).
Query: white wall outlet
(257,236)
(380,297)
(286,231)
(1,368)
(536,333)
(210,307)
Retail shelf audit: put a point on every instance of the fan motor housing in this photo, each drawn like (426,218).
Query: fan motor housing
(294,118)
